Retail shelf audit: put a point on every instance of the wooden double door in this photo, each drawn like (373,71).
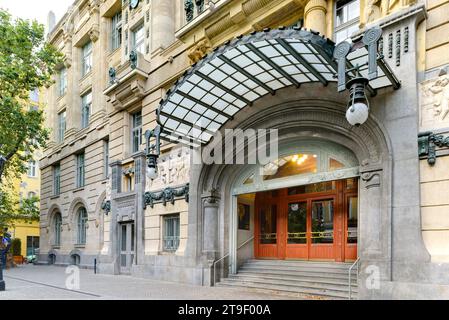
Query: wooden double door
(313,222)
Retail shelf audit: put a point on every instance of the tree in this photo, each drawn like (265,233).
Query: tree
(27,62)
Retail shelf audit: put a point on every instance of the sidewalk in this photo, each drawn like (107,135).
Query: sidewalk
(49,282)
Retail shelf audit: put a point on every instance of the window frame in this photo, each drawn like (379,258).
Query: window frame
(86,106)
(87,50)
(32,169)
(62,84)
(57,224)
(116,31)
(171,234)
(62,125)
(80,170)
(57,179)
(136,131)
(81,232)
(347,24)
(141,44)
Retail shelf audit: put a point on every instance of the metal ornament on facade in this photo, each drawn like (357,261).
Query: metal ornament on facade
(167,195)
(427,143)
(152,151)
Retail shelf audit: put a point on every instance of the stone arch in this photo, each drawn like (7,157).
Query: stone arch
(75,257)
(51,213)
(298,116)
(71,219)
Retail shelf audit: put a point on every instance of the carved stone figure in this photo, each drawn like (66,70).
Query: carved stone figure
(372,10)
(199,51)
(440,91)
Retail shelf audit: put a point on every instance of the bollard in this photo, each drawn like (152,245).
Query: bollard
(95,266)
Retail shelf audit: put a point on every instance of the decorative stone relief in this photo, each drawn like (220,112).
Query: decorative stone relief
(434,103)
(199,51)
(174,170)
(372,10)
(372,179)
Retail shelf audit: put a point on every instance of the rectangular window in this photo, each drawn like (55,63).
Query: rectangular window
(62,81)
(171,232)
(139,39)
(136,131)
(87,58)
(80,171)
(347,17)
(106,158)
(32,245)
(86,102)
(57,179)
(31,168)
(61,126)
(116,32)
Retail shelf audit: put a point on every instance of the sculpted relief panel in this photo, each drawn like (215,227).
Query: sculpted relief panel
(434,103)
(174,169)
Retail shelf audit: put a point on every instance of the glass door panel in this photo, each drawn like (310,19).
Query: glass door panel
(322,221)
(268,225)
(352,219)
(297,223)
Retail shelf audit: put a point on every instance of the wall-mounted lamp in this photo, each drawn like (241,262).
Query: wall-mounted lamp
(358,106)
(152,151)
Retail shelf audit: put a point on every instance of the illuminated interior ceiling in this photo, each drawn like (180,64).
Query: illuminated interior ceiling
(249,67)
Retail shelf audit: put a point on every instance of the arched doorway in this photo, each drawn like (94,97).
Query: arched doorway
(309,207)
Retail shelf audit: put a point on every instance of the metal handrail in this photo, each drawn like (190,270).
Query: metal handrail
(227,255)
(356,263)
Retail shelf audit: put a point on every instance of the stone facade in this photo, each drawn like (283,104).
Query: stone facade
(401,232)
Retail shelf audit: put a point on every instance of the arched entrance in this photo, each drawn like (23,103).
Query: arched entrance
(309,209)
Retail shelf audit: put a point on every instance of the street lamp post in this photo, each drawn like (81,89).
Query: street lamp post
(153,151)
(2,282)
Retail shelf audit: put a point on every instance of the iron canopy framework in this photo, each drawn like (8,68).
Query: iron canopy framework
(249,67)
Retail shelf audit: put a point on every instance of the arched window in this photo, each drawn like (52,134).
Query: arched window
(57,229)
(82,226)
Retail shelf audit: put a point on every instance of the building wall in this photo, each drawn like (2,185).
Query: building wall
(22,230)
(171,46)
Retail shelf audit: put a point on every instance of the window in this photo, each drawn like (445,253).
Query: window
(32,168)
(32,245)
(31,194)
(136,131)
(116,32)
(61,126)
(80,170)
(62,81)
(57,229)
(57,179)
(87,58)
(139,39)
(171,232)
(82,226)
(86,102)
(106,158)
(347,19)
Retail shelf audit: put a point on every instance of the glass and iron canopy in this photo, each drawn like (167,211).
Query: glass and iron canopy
(249,67)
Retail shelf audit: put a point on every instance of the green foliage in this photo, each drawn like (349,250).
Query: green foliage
(27,62)
(16,247)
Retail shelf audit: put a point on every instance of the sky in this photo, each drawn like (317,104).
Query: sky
(36,9)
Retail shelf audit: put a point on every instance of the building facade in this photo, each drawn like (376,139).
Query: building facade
(371,194)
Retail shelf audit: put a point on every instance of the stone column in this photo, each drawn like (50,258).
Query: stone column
(140,176)
(162,24)
(315,16)
(210,227)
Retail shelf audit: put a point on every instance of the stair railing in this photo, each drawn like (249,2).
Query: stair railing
(227,255)
(355,264)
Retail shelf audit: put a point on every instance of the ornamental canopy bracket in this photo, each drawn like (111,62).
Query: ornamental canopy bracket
(251,66)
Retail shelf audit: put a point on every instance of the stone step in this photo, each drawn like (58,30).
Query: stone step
(290,283)
(303,269)
(301,263)
(288,290)
(295,279)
